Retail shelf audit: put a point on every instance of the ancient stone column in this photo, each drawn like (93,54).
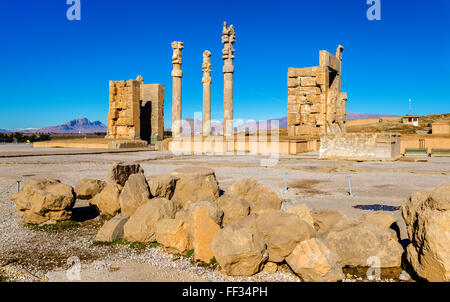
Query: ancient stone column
(177,74)
(228,38)
(206,80)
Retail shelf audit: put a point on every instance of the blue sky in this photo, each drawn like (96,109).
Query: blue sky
(53,70)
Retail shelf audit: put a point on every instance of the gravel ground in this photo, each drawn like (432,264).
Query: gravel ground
(44,254)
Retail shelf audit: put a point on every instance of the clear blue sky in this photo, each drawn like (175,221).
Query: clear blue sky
(53,70)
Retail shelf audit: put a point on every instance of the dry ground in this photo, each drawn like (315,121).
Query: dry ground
(44,253)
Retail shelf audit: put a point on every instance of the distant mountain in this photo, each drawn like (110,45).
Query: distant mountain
(82,125)
(362,116)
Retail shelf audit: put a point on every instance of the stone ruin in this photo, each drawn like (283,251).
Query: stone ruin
(316,104)
(245,229)
(135,110)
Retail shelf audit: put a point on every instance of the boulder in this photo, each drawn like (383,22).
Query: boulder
(214,211)
(326,219)
(270,267)
(239,249)
(382,219)
(195,184)
(233,208)
(355,244)
(45,200)
(302,211)
(112,229)
(134,194)
(313,261)
(260,197)
(427,218)
(119,172)
(140,226)
(174,235)
(162,186)
(87,188)
(282,232)
(203,230)
(107,201)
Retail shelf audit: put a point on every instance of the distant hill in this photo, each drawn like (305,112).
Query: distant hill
(362,116)
(82,125)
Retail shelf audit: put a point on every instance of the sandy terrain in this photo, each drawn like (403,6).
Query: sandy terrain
(318,184)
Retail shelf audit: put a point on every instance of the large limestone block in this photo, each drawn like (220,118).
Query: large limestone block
(134,194)
(326,219)
(233,208)
(379,218)
(107,201)
(140,226)
(302,211)
(356,244)
(260,197)
(313,261)
(119,172)
(282,232)
(203,230)
(162,186)
(427,217)
(174,234)
(239,249)
(87,188)
(195,184)
(112,229)
(214,211)
(44,200)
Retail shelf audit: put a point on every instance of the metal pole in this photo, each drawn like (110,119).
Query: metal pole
(286,189)
(349,187)
(18,185)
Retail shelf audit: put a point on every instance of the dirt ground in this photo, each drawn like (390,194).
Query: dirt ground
(319,184)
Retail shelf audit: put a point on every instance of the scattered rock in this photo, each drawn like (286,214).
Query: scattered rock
(195,184)
(239,249)
(112,229)
(107,201)
(382,219)
(140,226)
(45,200)
(174,235)
(302,211)
(214,211)
(134,194)
(427,218)
(203,230)
(162,186)
(313,261)
(260,197)
(233,208)
(87,188)
(282,232)
(356,244)
(119,172)
(325,220)
(270,267)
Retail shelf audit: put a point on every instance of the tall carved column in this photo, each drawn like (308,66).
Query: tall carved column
(177,74)
(228,38)
(206,80)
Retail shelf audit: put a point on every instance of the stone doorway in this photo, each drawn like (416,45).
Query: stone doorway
(145,120)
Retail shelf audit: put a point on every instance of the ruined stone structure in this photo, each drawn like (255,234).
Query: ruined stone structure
(177,74)
(206,80)
(316,104)
(135,110)
(228,39)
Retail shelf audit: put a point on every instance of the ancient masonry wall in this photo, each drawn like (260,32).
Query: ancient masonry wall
(126,117)
(315,103)
(360,146)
